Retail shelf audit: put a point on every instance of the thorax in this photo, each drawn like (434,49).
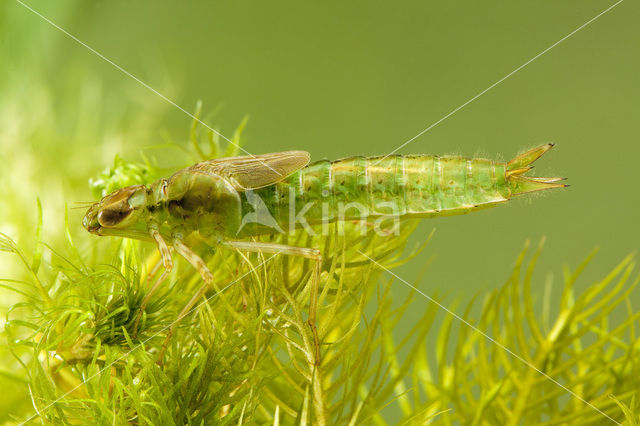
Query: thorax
(188,202)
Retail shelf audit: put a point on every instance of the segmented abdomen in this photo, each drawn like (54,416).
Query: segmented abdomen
(360,187)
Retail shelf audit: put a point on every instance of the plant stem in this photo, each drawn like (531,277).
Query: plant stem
(527,385)
(318,398)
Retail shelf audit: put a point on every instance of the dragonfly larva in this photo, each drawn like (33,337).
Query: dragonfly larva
(228,199)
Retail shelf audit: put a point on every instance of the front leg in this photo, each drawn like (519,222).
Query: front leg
(197,262)
(308,253)
(165,253)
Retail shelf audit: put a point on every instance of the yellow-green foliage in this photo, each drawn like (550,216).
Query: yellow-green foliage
(246,354)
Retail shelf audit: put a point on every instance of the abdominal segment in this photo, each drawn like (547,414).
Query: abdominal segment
(362,188)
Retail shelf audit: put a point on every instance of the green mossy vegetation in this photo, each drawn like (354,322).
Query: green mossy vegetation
(246,356)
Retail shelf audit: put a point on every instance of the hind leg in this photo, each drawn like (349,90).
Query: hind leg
(308,253)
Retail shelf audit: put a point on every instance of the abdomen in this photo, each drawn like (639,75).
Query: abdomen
(361,187)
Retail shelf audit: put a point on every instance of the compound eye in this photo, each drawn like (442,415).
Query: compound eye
(113,215)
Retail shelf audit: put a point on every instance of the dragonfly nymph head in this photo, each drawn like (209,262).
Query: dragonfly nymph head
(117,211)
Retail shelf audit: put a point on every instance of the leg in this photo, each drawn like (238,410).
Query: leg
(207,276)
(168,266)
(152,273)
(307,253)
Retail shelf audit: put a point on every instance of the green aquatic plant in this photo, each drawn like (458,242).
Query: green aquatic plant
(529,353)
(567,357)
(243,357)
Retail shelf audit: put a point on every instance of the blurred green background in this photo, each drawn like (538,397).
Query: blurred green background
(337,79)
